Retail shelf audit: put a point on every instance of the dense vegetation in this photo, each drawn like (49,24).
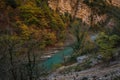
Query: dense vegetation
(107,38)
(26,28)
(32,18)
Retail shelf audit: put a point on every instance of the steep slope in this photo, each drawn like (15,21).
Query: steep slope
(69,6)
(95,73)
(77,8)
(24,17)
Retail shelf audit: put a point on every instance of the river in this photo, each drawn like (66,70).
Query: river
(57,58)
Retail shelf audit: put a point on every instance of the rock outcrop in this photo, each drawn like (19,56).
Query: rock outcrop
(69,6)
(82,11)
(96,73)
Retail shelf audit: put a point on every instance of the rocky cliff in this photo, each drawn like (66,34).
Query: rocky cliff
(69,6)
(77,8)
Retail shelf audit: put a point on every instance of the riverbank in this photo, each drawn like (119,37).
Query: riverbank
(95,73)
(50,51)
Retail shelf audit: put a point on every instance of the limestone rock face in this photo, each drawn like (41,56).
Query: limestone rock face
(116,3)
(82,11)
(63,6)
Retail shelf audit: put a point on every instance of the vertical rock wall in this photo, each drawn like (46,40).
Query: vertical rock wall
(83,11)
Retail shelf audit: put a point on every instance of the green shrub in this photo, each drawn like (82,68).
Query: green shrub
(107,45)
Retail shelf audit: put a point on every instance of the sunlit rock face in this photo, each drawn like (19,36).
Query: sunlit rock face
(69,6)
(116,3)
(82,11)
(62,5)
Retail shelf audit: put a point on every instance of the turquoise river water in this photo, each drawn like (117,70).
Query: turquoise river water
(57,58)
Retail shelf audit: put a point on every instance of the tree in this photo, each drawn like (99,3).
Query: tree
(79,35)
(10,44)
(107,45)
(19,55)
(31,46)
